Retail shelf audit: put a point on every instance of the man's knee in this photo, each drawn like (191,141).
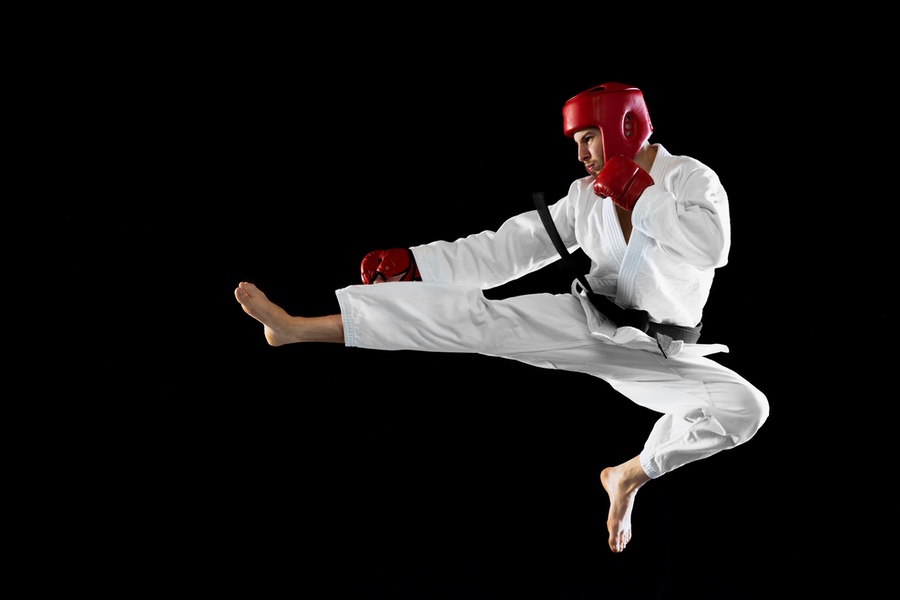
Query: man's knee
(752,411)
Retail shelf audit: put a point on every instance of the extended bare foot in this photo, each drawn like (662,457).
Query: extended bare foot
(281,328)
(622,484)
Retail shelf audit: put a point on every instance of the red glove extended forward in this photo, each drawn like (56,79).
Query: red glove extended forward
(396,264)
(623,181)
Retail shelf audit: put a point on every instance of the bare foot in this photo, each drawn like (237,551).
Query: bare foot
(281,328)
(622,484)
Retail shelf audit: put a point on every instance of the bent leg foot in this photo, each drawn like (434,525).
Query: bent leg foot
(622,484)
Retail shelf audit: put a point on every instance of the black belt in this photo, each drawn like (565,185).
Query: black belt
(639,318)
(689,335)
(622,317)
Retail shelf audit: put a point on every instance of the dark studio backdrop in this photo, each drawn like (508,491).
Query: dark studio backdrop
(414,475)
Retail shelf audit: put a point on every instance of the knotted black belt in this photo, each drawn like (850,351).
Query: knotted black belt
(689,335)
(622,317)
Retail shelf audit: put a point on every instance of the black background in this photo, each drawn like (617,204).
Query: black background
(257,154)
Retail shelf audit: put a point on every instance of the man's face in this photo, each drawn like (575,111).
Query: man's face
(590,149)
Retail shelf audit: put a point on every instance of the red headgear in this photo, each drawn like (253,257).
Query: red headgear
(618,110)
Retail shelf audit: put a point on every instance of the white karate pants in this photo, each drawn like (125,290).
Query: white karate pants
(706,407)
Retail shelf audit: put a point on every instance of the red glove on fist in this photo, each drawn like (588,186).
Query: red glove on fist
(622,180)
(379,266)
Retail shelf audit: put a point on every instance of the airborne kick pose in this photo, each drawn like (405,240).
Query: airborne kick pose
(655,226)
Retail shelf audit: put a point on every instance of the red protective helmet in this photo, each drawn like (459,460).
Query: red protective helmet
(618,110)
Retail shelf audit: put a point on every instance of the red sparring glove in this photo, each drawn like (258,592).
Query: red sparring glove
(379,266)
(622,180)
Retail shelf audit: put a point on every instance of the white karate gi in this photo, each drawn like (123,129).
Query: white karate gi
(681,233)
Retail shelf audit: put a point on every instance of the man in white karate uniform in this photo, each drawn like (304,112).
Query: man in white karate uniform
(655,226)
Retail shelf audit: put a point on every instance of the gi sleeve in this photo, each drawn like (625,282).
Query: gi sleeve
(489,259)
(686,212)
